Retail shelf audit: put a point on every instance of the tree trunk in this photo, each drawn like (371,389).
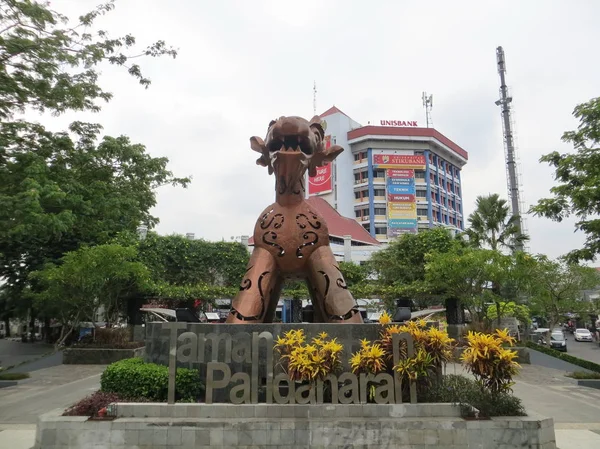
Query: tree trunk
(498,312)
(7,326)
(32,327)
(453,313)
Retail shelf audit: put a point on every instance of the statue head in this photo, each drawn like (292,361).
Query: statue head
(292,146)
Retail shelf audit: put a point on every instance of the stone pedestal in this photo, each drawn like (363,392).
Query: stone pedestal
(225,426)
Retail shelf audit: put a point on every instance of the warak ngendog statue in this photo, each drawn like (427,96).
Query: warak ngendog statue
(291,240)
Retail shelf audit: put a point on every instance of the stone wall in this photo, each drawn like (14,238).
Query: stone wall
(98,356)
(224,426)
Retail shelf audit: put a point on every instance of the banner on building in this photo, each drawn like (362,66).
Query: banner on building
(322,182)
(401,191)
(399,161)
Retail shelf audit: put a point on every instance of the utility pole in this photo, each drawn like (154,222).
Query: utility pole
(512,176)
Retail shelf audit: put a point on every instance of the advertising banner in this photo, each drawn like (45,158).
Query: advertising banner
(396,173)
(401,198)
(401,191)
(322,182)
(395,232)
(399,161)
(402,223)
(406,189)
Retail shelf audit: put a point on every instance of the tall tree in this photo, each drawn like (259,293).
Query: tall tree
(400,269)
(557,289)
(60,190)
(403,260)
(87,279)
(578,177)
(48,65)
(493,226)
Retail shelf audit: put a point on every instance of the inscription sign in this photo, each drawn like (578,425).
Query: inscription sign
(244,348)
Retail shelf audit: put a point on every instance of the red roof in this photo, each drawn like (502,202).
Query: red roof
(332,110)
(405,131)
(338,225)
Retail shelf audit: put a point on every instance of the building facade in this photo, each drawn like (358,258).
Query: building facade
(393,178)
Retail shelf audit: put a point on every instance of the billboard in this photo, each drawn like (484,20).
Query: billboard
(400,191)
(322,182)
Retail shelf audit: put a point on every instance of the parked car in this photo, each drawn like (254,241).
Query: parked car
(558,341)
(582,335)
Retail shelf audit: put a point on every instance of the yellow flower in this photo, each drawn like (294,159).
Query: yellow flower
(385,318)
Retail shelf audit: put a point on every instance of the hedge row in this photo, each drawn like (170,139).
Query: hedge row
(133,379)
(566,357)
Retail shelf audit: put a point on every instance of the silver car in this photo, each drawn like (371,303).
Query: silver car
(582,335)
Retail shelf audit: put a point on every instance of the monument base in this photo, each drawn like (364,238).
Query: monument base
(366,426)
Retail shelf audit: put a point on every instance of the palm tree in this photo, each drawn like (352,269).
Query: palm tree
(492,225)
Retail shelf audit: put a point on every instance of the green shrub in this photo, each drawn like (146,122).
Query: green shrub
(132,379)
(566,357)
(468,393)
(14,376)
(583,375)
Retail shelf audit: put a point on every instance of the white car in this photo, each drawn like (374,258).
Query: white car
(582,335)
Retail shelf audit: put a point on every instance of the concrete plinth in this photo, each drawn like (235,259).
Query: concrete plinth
(366,426)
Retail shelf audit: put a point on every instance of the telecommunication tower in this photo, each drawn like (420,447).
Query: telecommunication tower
(512,172)
(428,105)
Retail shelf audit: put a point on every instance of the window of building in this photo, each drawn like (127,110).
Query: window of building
(458,191)
(379,173)
(419,174)
(421,212)
(381,230)
(379,192)
(418,153)
(357,156)
(357,195)
(422,193)
(363,155)
(367,227)
(358,213)
(380,211)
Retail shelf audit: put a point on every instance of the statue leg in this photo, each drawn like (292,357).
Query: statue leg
(331,295)
(259,291)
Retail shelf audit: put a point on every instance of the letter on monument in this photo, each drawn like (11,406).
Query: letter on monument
(211,383)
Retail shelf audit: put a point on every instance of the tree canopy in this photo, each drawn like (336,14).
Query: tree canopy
(556,288)
(48,64)
(578,177)
(403,261)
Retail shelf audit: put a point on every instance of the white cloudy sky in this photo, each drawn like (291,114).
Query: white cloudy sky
(242,63)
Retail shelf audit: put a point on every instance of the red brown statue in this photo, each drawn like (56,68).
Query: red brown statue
(291,241)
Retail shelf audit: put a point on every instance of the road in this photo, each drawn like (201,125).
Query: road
(14,352)
(583,349)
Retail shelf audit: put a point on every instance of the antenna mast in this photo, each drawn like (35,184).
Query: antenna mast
(512,175)
(428,105)
(314,98)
